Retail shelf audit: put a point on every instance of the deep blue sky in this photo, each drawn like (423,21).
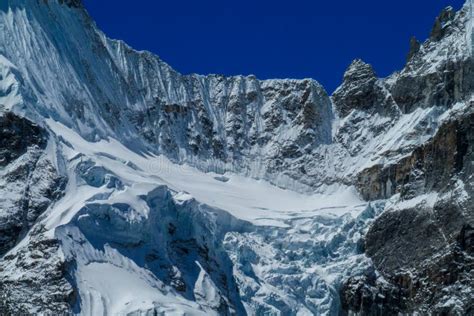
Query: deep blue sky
(271,38)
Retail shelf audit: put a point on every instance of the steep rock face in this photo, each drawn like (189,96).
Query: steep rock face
(217,123)
(108,89)
(72,3)
(440,73)
(429,242)
(420,243)
(32,270)
(138,234)
(365,295)
(415,47)
(362,90)
(237,121)
(430,167)
(16,135)
(450,83)
(29,182)
(439,284)
(437,73)
(442,24)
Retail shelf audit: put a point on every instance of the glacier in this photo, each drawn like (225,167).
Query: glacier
(127,188)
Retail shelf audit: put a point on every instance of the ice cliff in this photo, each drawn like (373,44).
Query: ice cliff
(127,188)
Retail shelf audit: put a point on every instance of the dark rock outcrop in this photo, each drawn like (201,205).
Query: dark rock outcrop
(439,284)
(370,295)
(16,135)
(425,81)
(440,73)
(361,90)
(442,22)
(29,182)
(29,272)
(430,167)
(414,48)
(451,82)
(423,251)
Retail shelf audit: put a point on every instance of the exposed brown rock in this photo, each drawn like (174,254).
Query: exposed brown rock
(441,23)
(430,167)
(435,285)
(424,253)
(451,82)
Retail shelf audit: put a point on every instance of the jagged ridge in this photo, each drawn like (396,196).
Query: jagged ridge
(103,112)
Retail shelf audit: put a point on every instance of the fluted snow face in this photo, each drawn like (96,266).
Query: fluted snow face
(219,123)
(270,129)
(101,87)
(133,231)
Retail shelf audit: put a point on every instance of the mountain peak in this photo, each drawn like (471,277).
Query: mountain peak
(358,90)
(129,188)
(443,21)
(415,46)
(359,70)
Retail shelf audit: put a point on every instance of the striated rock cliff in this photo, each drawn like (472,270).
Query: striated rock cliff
(129,188)
(422,246)
(29,182)
(362,90)
(420,243)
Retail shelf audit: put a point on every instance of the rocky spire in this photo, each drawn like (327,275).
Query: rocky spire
(442,22)
(357,90)
(414,48)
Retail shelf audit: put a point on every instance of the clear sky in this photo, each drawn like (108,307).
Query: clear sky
(271,38)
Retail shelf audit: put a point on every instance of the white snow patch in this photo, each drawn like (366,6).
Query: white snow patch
(110,290)
(248,199)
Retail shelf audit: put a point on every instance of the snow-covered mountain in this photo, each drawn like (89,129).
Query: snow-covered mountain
(127,188)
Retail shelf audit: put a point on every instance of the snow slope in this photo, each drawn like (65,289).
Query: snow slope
(112,175)
(190,195)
